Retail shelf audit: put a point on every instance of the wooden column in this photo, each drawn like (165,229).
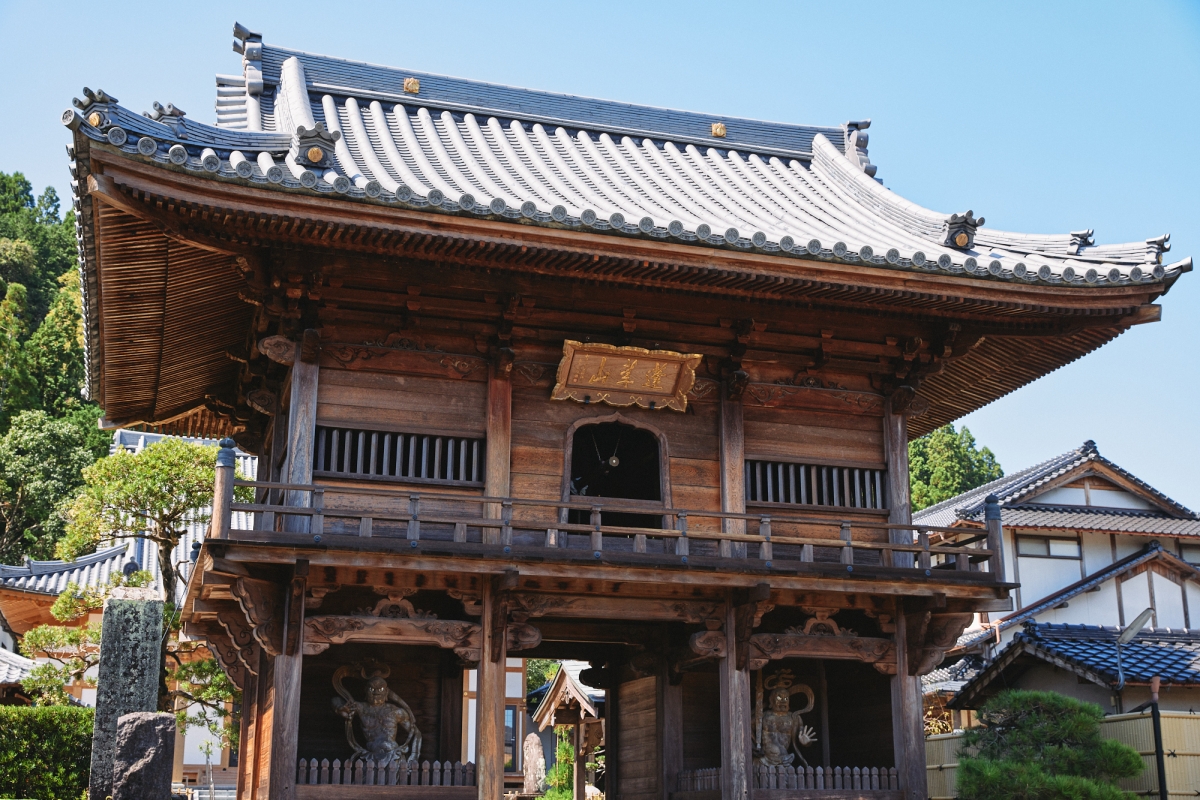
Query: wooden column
(489,697)
(579,772)
(733,469)
(670,730)
(735,717)
(285,730)
(302,425)
(908,726)
(499,441)
(247,739)
(895,442)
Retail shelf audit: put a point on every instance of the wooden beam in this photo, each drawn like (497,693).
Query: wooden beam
(499,440)
(733,471)
(302,427)
(895,442)
(285,729)
(670,730)
(489,699)
(908,730)
(735,716)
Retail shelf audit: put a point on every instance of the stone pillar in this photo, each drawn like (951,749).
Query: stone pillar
(144,756)
(130,664)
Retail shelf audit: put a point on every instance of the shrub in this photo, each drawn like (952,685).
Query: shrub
(45,752)
(1042,746)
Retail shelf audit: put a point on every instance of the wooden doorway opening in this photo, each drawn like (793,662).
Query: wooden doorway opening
(616,460)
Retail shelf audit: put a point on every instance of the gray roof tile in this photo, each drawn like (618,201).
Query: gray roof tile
(14,668)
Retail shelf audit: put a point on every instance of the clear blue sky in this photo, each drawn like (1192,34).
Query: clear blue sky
(1042,116)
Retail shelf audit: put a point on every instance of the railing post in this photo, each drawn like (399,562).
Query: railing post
(597,536)
(506,523)
(848,547)
(764,530)
(923,556)
(317,525)
(222,507)
(681,544)
(995,536)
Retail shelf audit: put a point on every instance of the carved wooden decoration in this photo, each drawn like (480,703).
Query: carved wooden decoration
(234,624)
(262,603)
(765,647)
(322,631)
(279,349)
(625,376)
(708,644)
(522,637)
(930,636)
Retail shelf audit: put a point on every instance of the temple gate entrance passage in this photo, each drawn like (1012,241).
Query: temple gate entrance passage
(532,374)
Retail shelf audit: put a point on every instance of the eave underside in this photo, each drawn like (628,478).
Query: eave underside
(167,263)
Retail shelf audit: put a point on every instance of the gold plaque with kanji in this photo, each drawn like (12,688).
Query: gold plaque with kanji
(625,376)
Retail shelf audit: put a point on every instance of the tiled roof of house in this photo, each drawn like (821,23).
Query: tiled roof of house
(14,668)
(1091,651)
(1013,490)
(953,677)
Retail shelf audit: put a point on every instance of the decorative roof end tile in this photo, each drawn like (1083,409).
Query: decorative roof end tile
(960,229)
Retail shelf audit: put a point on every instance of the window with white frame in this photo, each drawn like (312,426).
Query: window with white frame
(1048,547)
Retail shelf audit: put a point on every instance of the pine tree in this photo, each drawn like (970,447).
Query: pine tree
(1042,746)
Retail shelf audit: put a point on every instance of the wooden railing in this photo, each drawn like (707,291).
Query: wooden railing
(698,780)
(866,779)
(773,541)
(310,772)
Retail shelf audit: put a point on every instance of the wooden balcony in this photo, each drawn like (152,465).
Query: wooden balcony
(450,523)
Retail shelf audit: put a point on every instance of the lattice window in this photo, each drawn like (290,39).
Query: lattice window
(403,457)
(814,484)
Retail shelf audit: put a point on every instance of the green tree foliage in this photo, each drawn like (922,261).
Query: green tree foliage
(41,466)
(561,777)
(45,753)
(1042,746)
(539,672)
(152,495)
(946,462)
(41,369)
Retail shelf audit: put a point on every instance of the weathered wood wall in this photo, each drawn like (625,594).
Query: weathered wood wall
(701,721)
(637,751)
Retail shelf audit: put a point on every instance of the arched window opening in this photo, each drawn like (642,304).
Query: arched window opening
(614,460)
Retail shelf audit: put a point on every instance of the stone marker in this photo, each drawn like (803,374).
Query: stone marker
(130,660)
(535,766)
(144,756)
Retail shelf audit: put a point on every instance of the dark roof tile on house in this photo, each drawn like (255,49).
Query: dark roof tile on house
(1016,489)
(14,668)
(1091,652)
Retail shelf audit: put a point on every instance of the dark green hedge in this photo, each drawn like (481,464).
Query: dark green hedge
(45,752)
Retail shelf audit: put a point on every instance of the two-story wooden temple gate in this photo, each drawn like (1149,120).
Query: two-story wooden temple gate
(535,375)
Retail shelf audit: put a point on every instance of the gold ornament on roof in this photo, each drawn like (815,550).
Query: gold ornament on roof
(718,130)
(315,154)
(412,86)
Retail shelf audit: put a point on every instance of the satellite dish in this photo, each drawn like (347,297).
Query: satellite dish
(1135,627)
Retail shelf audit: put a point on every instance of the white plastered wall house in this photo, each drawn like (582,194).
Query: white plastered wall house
(1091,546)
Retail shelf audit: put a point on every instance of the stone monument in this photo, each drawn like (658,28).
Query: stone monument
(130,661)
(535,765)
(144,756)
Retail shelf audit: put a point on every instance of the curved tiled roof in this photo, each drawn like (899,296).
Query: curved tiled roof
(14,668)
(52,577)
(464,147)
(1013,489)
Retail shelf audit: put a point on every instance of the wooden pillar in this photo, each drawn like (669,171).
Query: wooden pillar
(579,773)
(489,697)
(735,717)
(499,441)
(302,425)
(670,730)
(285,731)
(247,739)
(733,469)
(908,724)
(895,442)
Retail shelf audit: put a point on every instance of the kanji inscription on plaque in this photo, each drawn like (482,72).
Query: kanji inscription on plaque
(625,376)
